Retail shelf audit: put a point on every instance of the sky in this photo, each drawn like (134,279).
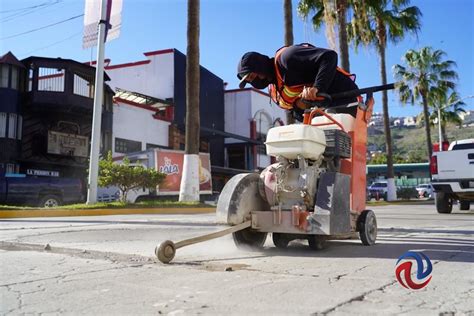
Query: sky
(229,28)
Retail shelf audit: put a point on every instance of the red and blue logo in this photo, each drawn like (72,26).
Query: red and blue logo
(403,270)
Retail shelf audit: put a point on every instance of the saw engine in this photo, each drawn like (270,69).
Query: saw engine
(303,154)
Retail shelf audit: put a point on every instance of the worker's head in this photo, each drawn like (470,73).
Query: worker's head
(256,69)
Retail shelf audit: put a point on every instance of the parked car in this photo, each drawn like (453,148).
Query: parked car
(378,190)
(424,190)
(452,174)
(40,191)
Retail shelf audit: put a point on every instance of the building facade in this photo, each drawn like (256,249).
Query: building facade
(46,116)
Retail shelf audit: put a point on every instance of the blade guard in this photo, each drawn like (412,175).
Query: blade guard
(239,197)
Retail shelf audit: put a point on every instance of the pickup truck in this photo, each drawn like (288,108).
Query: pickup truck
(452,174)
(40,191)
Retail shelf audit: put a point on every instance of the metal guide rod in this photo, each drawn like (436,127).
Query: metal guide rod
(210,236)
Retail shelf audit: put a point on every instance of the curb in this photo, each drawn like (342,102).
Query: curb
(102,212)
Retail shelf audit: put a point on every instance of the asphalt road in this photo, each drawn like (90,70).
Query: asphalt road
(106,265)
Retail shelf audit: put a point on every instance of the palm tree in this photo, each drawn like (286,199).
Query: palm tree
(288,15)
(425,73)
(449,106)
(329,13)
(375,23)
(189,189)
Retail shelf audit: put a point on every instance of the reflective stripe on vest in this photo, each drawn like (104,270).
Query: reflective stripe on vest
(280,93)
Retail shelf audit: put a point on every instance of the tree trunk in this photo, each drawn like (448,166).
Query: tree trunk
(443,132)
(189,189)
(426,116)
(288,15)
(392,193)
(341,7)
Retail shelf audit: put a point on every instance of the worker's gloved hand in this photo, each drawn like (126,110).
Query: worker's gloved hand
(309,93)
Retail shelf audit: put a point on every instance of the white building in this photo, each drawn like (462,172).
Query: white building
(376,120)
(409,121)
(249,112)
(136,124)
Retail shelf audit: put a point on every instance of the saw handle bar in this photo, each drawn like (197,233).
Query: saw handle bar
(317,105)
(326,99)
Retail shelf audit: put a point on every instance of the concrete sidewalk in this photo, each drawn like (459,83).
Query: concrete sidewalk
(99,212)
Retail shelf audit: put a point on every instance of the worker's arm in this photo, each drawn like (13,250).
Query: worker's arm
(325,72)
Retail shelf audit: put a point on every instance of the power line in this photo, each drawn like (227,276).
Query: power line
(43,27)
(30,10)
(53,44)
(26,8)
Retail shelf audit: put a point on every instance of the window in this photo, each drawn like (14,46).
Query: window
(463,146)
(51,79)
(15,78)
(4,76)
(30,79)
(83,86)
(12,125)
(3,124)
(125,146)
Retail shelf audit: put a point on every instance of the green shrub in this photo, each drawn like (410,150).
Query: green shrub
(407,193)
(127,177)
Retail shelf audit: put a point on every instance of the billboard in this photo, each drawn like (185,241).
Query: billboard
(67,144)
(170,162)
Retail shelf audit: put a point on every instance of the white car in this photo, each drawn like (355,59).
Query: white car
(424,190)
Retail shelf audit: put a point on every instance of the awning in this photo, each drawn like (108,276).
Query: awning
(205,131)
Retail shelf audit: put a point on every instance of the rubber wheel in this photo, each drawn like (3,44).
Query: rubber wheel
(249,239)
(49,201)
(367,227)
(280,240)
(166,251)
(316,242)
(444,204)
(464,205)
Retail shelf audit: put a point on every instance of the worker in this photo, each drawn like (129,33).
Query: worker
(297,73)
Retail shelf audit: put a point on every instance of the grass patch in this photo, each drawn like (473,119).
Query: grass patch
(400,202)
(114,205)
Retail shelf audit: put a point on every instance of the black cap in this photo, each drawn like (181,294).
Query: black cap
(253,62)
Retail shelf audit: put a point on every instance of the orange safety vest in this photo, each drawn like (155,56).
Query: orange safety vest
(285,95)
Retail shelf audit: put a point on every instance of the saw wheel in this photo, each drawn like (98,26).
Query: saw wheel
(238,199)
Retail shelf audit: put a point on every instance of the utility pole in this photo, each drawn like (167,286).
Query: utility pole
(97,112)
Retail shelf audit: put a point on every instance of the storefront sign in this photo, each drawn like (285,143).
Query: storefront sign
(44,173)
(170,162)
